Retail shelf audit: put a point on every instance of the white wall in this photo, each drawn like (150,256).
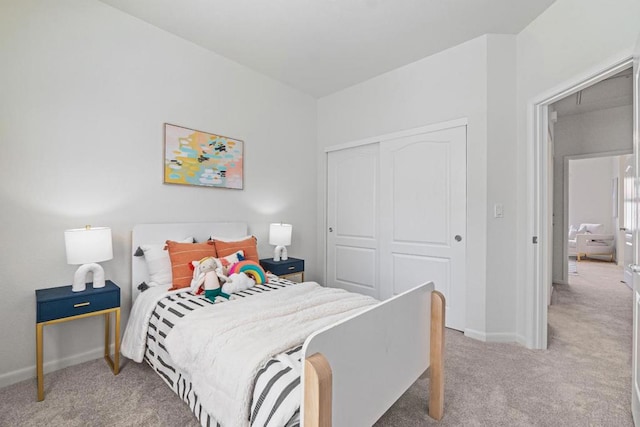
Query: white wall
(450,85)
(84,93)
(501,250)
(589,134)
(590,192)
(570,39)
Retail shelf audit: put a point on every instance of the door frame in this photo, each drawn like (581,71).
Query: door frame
(539,213)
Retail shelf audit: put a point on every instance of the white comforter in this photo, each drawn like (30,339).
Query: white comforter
(134,340)
(223,346)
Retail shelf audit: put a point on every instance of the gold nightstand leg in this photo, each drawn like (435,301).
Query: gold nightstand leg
(107,334)
(114,362)
(117,349)
(39,361)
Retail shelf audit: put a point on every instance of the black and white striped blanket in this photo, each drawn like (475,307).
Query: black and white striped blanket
(224,346)
(274,382)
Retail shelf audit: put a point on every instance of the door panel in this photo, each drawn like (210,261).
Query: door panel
(356,266)
(420,185)
(352,206)
(422,210)
(439,269)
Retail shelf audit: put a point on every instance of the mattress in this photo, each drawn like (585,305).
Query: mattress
(274,382)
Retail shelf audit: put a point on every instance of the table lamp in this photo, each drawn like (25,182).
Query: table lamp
(88,246)
(280,235)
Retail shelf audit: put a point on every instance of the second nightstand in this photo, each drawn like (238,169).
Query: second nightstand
(292,268)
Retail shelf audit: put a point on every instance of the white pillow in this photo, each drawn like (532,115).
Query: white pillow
(572,232)
(230,259)
(159,263)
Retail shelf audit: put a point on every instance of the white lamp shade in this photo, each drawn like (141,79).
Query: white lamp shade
(280,234)
(88,245)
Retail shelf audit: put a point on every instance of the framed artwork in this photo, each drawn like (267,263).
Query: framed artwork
(193,157)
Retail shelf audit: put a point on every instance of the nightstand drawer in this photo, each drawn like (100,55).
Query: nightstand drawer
(280,268)
(75,303)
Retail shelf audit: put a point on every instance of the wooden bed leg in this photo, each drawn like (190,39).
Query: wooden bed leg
(317,391)
(436,352)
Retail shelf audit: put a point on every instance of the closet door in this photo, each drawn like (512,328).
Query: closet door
(352,215)
(423,216)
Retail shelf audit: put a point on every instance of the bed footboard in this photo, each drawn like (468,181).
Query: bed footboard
(357,368)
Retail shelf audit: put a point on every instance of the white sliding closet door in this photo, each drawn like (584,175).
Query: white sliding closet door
(352,217)
(423,216)
(396,217)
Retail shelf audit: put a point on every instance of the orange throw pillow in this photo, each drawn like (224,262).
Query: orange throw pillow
(248,246)
(181,255)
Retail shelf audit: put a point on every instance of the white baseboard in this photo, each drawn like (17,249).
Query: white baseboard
(491,337)
(51,366)
(476,335)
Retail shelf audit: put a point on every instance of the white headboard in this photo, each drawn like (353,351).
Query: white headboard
(159,233)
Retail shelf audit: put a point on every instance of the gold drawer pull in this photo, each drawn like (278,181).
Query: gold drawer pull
(82,304)
(292,268)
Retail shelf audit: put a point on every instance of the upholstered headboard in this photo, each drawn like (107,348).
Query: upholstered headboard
(159,233)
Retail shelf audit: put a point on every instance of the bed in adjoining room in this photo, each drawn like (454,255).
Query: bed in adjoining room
(278,353)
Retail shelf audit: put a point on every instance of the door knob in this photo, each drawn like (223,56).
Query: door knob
(458,237)
(330,229)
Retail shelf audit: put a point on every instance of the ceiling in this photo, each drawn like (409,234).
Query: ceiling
(322,46)
(615,91)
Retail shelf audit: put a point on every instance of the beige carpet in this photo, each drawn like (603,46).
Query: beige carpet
(584,379)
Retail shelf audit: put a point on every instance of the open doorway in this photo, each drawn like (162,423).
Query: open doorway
(591,132)
(547,192)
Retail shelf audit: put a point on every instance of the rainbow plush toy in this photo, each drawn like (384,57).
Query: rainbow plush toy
(251,269)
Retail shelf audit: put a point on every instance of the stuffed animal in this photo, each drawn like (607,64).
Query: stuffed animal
(251,269)
(237,282)
(233,280)
(205,279)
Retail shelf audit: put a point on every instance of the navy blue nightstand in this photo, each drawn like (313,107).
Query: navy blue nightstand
(56,305)
(292,268)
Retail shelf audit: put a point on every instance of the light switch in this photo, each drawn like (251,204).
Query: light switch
(498,210)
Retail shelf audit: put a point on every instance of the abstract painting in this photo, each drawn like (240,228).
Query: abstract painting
(193,157)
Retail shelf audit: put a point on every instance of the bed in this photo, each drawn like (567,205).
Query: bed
(339,362)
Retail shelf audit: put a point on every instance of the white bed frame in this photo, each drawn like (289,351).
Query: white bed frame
(357,368)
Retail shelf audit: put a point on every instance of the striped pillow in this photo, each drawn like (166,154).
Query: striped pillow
(181,255)
(248,246)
